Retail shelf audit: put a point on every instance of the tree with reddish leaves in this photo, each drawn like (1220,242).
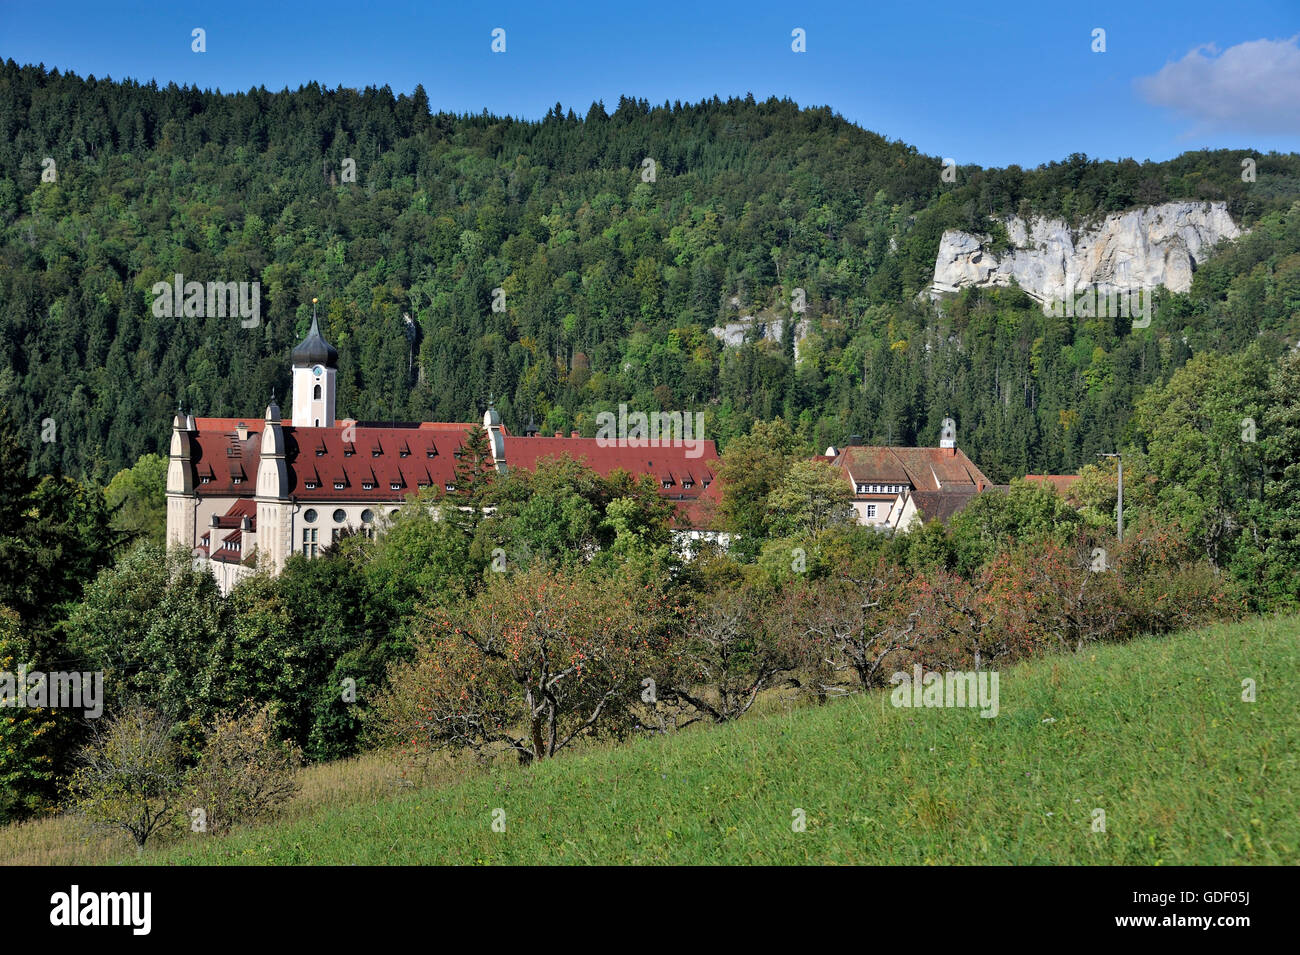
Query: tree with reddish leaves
(855,625)
(536,661)
(957,619)
(1055,595)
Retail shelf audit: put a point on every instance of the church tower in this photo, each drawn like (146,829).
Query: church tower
(495,436)
(274,510)
(315,368)
(180,482)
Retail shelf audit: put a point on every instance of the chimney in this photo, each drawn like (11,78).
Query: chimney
(245,524)
(216,521)
(559,434)
(574,434)
(241,429)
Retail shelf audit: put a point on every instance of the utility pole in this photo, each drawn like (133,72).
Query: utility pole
(1119,505)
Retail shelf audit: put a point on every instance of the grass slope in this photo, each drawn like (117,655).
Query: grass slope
(1154,732)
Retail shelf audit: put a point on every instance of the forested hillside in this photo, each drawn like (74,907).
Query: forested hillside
(609,282)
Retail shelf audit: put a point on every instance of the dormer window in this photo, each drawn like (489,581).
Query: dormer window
(688,484)
(431,452)
(320,452)
(862,489)
(310,485)
(668,484)
(338,485)
(403,454)
(367,485)
(348,452)
(205,480)
(238,480)
(395,486)
(449,486)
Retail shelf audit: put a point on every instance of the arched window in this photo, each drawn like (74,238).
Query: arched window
(316,393)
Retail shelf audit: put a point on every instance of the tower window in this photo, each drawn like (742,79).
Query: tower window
(315,392)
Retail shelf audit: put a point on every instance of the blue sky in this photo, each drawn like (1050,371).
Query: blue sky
(1016,83)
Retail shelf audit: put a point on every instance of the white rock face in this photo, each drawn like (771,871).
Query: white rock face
(733,333)
(1142,248)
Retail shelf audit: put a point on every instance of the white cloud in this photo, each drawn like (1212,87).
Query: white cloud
(1253,86)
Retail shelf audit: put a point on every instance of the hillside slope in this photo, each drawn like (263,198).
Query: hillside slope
(546,264)
(1154,732)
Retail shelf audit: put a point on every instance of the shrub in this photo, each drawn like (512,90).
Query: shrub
(130,778)
(245,774)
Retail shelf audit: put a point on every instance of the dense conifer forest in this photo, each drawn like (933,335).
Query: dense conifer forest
(611,271)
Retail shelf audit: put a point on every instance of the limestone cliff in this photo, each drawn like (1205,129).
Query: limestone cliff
(1142,248)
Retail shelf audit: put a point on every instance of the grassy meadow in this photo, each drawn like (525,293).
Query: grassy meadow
(1153,732)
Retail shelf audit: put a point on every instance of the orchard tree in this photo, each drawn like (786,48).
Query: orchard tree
(729,654)
(855,625)
(130,777)
(536,661)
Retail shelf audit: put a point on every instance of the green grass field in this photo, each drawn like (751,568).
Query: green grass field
(1154,732)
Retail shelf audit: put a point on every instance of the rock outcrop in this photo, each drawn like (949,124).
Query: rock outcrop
(772,329)
(1142,248)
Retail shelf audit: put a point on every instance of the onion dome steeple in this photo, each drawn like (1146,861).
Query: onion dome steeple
(314,349)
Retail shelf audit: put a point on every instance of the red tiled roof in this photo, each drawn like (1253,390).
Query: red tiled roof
(942,505)
(928,469)
(318,455)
